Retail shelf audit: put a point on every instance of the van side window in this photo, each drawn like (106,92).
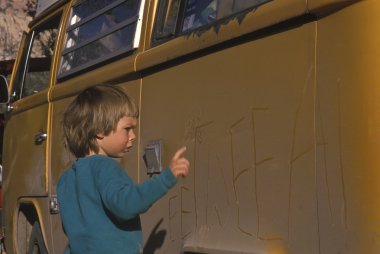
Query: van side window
(176,17)
(100,30)
(33,74)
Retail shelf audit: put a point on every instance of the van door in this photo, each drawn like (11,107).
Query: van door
(244,109)
(26,133)
(99,44)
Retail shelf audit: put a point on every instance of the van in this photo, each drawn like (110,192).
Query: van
(278,103)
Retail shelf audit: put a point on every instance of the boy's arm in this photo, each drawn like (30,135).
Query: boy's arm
(124,198)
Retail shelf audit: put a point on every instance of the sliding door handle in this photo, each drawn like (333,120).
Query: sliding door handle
(39,138)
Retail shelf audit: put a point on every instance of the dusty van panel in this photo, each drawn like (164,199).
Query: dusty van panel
(306,156)
(250,137)
(347,122)
(328,5)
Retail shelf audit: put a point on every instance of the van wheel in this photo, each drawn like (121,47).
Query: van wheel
(36,242)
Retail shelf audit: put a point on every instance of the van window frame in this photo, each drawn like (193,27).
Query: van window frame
(133,22)
(28,64)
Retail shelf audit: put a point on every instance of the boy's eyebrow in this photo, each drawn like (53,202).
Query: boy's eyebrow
(131,125)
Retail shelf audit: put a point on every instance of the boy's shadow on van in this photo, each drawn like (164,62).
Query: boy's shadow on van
(156,239)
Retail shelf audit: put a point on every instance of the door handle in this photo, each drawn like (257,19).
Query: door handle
(152,157)
(39,138)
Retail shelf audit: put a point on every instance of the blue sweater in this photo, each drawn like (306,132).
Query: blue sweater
(100,205)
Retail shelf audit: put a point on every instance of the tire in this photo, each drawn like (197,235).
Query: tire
(36,242)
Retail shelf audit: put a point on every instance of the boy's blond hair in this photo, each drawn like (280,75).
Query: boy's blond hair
(96,110)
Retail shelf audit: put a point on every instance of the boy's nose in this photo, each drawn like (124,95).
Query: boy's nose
(132,135)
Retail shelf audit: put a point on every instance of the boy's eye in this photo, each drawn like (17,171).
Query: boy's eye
(128,129)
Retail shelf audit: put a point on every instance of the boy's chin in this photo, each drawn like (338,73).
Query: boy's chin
(117,156)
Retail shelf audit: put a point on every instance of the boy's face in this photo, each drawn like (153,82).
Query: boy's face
(120,141)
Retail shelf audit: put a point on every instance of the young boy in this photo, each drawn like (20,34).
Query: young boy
(99,203)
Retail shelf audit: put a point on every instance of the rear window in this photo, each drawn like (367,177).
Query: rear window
(177,17)
(98,31)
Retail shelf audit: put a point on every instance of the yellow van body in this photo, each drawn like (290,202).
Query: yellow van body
(278,105)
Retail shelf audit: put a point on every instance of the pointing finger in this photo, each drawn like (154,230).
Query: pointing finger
(178,154)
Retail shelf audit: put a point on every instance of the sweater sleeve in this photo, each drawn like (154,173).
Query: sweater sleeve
(123,197)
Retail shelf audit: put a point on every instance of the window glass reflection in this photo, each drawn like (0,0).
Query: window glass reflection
(99,48)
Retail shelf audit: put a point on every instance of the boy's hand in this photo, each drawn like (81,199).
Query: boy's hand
(180,165)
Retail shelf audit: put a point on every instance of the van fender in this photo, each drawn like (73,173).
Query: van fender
(28,211)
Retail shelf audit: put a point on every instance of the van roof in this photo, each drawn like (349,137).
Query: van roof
(43,5)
